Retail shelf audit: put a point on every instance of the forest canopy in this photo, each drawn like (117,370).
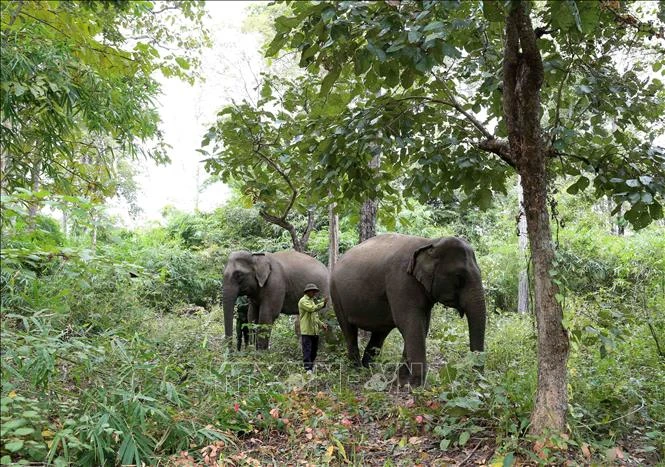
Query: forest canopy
(533,130)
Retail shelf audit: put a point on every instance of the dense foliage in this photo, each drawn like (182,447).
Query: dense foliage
(106,359)
(112,348)
(79,84)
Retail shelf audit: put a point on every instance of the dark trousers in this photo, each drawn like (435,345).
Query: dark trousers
(310,347)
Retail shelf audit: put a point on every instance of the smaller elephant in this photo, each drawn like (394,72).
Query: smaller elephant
(393,281)
(273,283)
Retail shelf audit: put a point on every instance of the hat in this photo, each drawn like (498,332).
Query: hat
(311,286)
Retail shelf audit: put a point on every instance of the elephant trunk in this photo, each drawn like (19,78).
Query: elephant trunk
(473,304)
(229,295)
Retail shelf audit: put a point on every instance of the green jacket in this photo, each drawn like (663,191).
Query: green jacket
(309,318)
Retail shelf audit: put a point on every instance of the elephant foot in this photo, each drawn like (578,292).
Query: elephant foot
(411,374)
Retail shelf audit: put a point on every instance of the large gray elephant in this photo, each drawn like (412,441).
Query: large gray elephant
(393,281)
(274,282)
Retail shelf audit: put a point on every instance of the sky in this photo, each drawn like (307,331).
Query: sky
(187,111)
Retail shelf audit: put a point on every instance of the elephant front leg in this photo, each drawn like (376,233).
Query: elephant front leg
(413,369)
(267,316)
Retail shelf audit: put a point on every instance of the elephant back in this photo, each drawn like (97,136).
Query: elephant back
(298,270)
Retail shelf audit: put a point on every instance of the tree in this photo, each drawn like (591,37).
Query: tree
(78,88)
(257,147)
(473,92)
(368,210)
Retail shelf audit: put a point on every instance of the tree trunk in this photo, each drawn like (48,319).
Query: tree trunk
(523,286)
(549,412)
(333,237)
(367,226)
(523,78)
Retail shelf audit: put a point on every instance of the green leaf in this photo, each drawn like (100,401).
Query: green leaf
(376,51)
(434,26)
(23,431)
(407,77)
(285,23)
(391,75)
(329,80)
(464,437)
(509,460)
(414,36)
(493,11)
(182,63)
(579,185)
(362,60)
(484,198)
(14,446)
(656,211)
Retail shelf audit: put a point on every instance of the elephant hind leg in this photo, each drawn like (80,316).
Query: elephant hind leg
(351,336)
(374,346)
(350,333)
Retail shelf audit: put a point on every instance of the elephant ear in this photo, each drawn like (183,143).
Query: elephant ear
(262,268)
(422,266)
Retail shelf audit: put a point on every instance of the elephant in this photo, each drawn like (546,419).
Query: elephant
(273,282)
(393,281)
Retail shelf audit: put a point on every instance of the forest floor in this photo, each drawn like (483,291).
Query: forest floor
(320,422)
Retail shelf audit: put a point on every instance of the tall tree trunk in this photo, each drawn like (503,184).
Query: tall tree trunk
(333,236)
(523,285)
(367,226)
(523,78)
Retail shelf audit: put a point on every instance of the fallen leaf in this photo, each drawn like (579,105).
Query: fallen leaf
(419,419)
(586,451)
(415,440)
(346,422)
(410,403)
(274,413)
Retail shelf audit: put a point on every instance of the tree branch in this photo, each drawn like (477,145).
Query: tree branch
(490,143)
(286,178)
(304,239)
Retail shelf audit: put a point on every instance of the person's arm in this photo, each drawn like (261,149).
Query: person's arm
(307,305)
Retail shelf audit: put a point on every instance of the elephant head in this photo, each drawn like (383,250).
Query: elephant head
(245,274)
(448,271)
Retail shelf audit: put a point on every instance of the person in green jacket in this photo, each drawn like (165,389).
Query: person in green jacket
(310,322)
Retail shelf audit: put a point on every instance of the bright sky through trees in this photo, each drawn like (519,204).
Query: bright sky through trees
(187,110)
